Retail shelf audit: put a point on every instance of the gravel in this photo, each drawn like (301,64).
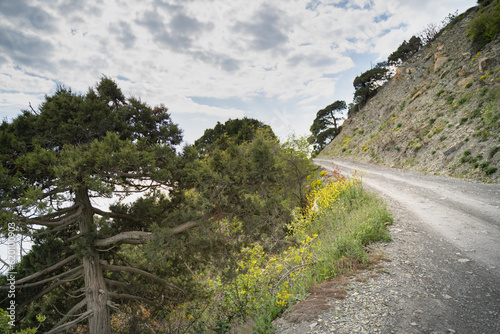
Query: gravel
(425,285)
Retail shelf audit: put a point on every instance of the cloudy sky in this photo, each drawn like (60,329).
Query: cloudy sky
(207,60)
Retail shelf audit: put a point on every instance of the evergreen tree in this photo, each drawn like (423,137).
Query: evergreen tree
(236,130)
(56,163)
(325,126)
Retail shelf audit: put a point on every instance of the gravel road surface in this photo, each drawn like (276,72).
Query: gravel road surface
(443,268)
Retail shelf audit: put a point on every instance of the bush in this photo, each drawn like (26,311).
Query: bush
(490,170)
(485,26)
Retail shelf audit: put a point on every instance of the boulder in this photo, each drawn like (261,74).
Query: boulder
(440,63)
(486,63)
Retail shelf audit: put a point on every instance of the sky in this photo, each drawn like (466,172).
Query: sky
(207,60)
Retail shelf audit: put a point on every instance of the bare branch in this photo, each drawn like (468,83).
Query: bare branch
(133,237)
(8,265)
(71,323)
(139,237)
(62,222)
(34,111)
(140,272)
(127,296)
(29,285)
(47,270)
(50,288)
(58,212)
(116,215)
(72,311)
(119,284)
(184,227)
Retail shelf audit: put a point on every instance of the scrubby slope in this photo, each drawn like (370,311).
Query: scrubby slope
(438,114)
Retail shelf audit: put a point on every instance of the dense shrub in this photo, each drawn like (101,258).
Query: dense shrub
(486,25)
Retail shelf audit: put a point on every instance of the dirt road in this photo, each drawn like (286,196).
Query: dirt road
(444,274)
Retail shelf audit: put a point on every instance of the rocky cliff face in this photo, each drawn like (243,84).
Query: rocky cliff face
(440,113)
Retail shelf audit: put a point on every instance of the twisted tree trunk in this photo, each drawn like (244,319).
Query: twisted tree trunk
(97,294)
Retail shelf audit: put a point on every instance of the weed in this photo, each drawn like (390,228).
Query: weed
(402,106)
(490,170)
(441,92)
(469,84)
(450,100)
(484,164)
(433,152)
(483,92)
(493,151)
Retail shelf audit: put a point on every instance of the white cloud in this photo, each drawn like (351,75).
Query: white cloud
(170,50)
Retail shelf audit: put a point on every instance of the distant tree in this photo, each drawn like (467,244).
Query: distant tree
(405,51)
(484,2)
(235,130)
(325,126)
(367,83)
(56,164)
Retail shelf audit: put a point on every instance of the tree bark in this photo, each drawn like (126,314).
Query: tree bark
(97,294)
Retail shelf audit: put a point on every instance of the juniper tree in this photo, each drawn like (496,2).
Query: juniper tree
(57,162)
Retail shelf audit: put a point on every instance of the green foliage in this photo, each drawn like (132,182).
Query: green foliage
(367,83)
(405,51)
(6,327)
(236,130)
(490,170)
(325,127)
(323,240)
(486,25)
(75,148)
(493,151)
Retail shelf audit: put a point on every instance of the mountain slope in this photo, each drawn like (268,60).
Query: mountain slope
(438,114)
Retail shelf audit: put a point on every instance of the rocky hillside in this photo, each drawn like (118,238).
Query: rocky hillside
(440,113)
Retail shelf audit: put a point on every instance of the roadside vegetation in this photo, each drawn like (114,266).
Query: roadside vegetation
(325,239)
(233,229)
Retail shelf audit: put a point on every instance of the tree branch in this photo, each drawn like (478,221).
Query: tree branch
(140,272)
(139,237)
(119,284)
(127,296)
(47,270)
(133,237)
(183,227)
(71,323)
(72,311)
(65,221)
(116,215)
(50,288)
(29,285)
(58,212)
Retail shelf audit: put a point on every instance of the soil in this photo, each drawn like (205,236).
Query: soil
(439,274)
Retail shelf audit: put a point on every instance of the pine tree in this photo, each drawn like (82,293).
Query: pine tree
(56,163)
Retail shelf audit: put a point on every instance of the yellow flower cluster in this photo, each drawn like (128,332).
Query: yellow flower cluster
(263,278)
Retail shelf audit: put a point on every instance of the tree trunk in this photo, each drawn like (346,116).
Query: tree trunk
(95,287)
